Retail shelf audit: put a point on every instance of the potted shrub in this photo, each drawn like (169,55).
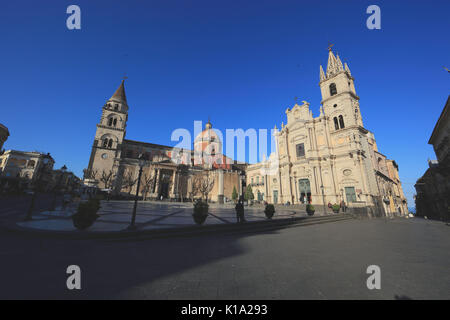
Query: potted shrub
(200,212)
(336,208)
(269,211)
(310,209)
(86,214)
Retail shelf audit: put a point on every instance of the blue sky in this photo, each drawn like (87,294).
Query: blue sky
(239,62)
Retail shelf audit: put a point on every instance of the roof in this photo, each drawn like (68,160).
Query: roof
(4,128)
(437,127)
(120,93)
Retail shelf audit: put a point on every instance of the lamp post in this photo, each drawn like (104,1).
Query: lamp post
(243,184)
(136,197)
(323,199)
(29,215)
(63,170)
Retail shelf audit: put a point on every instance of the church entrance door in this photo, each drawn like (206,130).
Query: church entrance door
(305,190)
(164,184)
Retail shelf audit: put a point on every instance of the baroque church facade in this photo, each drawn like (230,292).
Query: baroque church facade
(169,172)
(330,158)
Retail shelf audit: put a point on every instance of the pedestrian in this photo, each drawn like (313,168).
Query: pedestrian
(343,207)
(240,211)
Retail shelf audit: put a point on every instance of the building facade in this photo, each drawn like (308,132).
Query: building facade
(169,173)
(330,158)
(433,188)
(21,169)
(4,134)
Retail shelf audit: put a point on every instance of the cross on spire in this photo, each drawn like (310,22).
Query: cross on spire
(330,45)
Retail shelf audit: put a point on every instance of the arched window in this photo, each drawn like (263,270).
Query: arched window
(110,143)
(31,164)
(116,107)
(105,143)
(110,121)
(115,122)
(333,89)
(341,122)
(336,124)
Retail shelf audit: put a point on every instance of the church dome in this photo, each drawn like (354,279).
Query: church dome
(208,141)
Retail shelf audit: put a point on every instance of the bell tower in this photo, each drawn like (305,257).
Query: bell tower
(339,98)
(109,136)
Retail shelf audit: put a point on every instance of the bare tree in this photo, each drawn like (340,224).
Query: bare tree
(107,178)
(128,180)
(90,174)
(147,183)
(203,183)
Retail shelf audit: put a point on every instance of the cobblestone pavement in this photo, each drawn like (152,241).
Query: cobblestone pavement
(116,216)
(323,261)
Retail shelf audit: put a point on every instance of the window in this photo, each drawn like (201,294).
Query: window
(333,89)
(110,143)
(341,122)
(114,122)
(334,106)
(105,143)
(336,123)
(257,180)
(300,148)
(116,107)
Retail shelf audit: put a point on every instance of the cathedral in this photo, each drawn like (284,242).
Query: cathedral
(168,173)
(330,158)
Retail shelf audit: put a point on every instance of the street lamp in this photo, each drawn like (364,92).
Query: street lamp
(142,161)
(243,184)
(323,199)
(29,215)
(63,170)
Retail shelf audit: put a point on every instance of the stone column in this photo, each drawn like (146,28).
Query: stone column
(173,184)
(158,174)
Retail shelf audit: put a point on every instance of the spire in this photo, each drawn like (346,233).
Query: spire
(120,93)
(208,125)
(340,67)
(346,68)
(322,74)
(332,63)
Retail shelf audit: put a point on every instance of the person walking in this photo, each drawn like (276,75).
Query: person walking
(240,211)
(343,207)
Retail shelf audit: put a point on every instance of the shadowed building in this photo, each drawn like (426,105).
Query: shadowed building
(330,158)
(4,134)
(19,169)
(433,188)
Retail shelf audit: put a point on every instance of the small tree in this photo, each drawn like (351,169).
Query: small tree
(249,193)
(90,174)
(147,183)
(128,180)
(107,178)
(205,183)
(234,195)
